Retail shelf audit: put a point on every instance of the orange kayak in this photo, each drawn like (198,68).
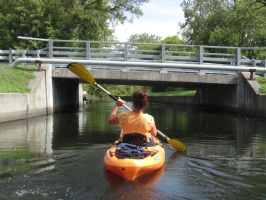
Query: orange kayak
(131,168)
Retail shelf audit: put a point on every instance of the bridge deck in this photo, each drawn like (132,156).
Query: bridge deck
(151,78)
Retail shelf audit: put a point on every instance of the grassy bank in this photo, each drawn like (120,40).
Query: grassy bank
(174,93)
(262,82)
(15,80)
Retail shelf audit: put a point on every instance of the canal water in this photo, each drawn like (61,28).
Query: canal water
(60,156)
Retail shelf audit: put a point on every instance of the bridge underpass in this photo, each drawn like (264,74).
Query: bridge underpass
(213,90)
(226,92)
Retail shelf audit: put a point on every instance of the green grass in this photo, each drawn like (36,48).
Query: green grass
(262,82)
(15,80)
(174,93)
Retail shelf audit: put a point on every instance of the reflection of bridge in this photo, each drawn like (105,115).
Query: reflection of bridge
(216,72)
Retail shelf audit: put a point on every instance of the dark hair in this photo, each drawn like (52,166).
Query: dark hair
(139,99)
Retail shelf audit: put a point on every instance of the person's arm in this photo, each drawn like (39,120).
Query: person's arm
(113,118)
(153,130)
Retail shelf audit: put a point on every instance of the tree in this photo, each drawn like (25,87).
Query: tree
(217,22)
(201,17)
(244,25)
(141,43)
(61,19)
(172,40)
(144,38)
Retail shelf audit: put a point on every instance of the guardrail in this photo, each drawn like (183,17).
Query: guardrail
(140,52)
(143,56)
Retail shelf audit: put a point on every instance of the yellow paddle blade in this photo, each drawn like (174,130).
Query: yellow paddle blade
(177,145)
(82,72)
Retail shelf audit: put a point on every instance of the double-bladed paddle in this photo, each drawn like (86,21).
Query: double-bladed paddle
(83,73)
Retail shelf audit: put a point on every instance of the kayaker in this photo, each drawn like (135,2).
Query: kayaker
(134,123)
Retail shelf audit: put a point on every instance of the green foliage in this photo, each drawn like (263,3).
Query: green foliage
(144,38)
(218,22)
(117,90)
(172,40)
(175,49)
(200,19)
(178,92)
(127,90)
(15,79)
(61,19)
(262,82)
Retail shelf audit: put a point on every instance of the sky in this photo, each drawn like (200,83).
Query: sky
(160,17)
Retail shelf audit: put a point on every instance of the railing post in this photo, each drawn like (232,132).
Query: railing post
(126,51)
(254,64)
(238,56)
(200,55)
(23,55)
(265,67)
(50,48)
(10,56)
(88,50)
(163,53)
(38,53)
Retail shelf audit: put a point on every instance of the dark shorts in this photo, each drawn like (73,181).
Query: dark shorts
(138,139)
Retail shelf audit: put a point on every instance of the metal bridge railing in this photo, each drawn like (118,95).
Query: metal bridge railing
(141,52)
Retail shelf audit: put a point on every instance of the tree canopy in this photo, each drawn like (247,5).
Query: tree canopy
(61,19)
(224,23)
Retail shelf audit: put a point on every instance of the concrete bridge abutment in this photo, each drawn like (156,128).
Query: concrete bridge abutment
(243,98)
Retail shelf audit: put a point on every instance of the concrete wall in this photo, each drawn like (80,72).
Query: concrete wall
(15,106)
(217,97)
(243,98)
(250,101)
(46,96)
(181,100)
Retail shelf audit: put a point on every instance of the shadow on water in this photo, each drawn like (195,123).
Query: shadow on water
(60,156)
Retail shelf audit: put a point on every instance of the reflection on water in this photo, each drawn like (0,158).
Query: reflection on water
(34,133)
(60,156)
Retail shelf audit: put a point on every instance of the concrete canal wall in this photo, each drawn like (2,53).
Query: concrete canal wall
(250,101)
(15,106)
(181,100)
(47,95)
